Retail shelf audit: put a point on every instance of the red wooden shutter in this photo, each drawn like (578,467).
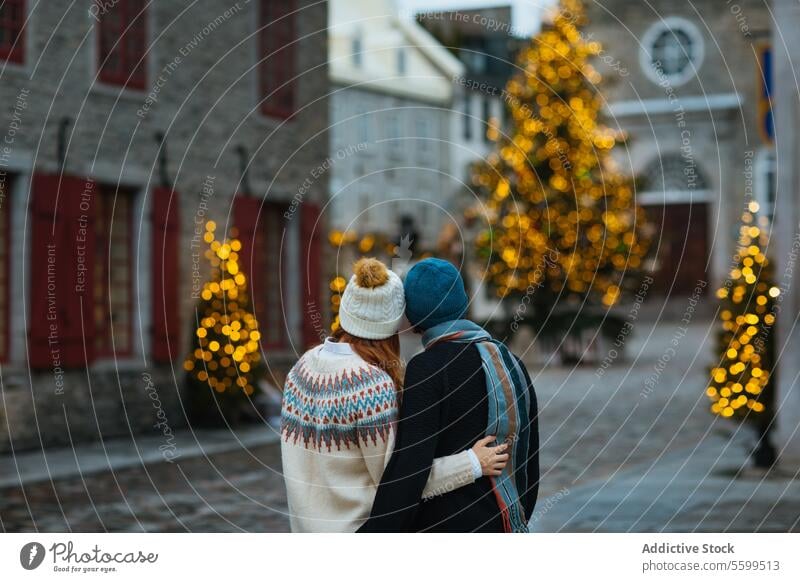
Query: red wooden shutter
(270,281)
(62,283)
(311,246)
(43,307)
(277,36)
(166,275)
(246,214)
(245,218)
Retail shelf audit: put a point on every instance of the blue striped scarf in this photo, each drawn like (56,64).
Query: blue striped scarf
(509,407)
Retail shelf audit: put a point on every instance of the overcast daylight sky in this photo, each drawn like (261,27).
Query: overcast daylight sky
(525,12)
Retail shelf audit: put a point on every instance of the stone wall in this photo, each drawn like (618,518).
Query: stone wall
(721,136)
(203,95)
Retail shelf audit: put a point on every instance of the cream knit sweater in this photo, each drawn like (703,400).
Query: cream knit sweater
(338,423)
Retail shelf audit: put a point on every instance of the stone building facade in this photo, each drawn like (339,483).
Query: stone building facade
(684,83)
(127,127)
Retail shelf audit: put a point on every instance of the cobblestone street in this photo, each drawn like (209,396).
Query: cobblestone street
(595,423)
(236,491)
(637,450)
(615,457)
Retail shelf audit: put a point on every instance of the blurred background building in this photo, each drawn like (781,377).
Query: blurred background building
(123,136)
(712,131)
(487,55)
(391,122)
(486,42)
(688,88)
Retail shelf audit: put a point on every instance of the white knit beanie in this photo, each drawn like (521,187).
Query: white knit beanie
(373,301)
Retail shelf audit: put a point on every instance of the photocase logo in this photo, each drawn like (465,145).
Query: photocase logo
(31,555)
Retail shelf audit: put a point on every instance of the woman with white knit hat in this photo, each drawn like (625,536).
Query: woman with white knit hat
(339,412)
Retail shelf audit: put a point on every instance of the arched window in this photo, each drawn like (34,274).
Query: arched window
(672,174)
(402,61)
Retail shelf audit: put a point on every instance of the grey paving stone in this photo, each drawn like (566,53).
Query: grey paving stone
(612,460)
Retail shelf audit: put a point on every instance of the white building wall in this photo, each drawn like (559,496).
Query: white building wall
(470,145)
(390,121)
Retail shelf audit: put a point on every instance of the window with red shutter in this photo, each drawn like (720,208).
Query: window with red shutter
(113,280)
(5,268)
(166,276)
(122,44)
(260,227)
(278,57)
(12,33)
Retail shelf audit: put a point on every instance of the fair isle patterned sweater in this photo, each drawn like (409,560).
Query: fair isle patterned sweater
(338,422)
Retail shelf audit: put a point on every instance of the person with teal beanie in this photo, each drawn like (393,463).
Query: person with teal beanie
(434,293)
(464,385)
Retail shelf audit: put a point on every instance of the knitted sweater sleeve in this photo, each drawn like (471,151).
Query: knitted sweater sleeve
(403,481)
(377,430)
(449,473)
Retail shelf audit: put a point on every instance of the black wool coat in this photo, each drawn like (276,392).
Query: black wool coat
(444,411)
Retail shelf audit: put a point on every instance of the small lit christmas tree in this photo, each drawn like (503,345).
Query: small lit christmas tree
(741,379)
(741,382)
(224,365)
(564,227)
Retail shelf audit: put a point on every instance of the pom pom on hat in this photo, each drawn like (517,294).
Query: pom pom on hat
(370,273)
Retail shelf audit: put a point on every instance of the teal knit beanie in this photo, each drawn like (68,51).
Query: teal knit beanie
(434,294)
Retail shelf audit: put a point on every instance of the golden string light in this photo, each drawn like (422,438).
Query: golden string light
(741,378)
(562,218)
(226,352)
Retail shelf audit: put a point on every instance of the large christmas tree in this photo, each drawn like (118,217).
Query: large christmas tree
(224,365)
(563,228)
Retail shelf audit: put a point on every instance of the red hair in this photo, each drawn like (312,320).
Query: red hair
(383,353)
